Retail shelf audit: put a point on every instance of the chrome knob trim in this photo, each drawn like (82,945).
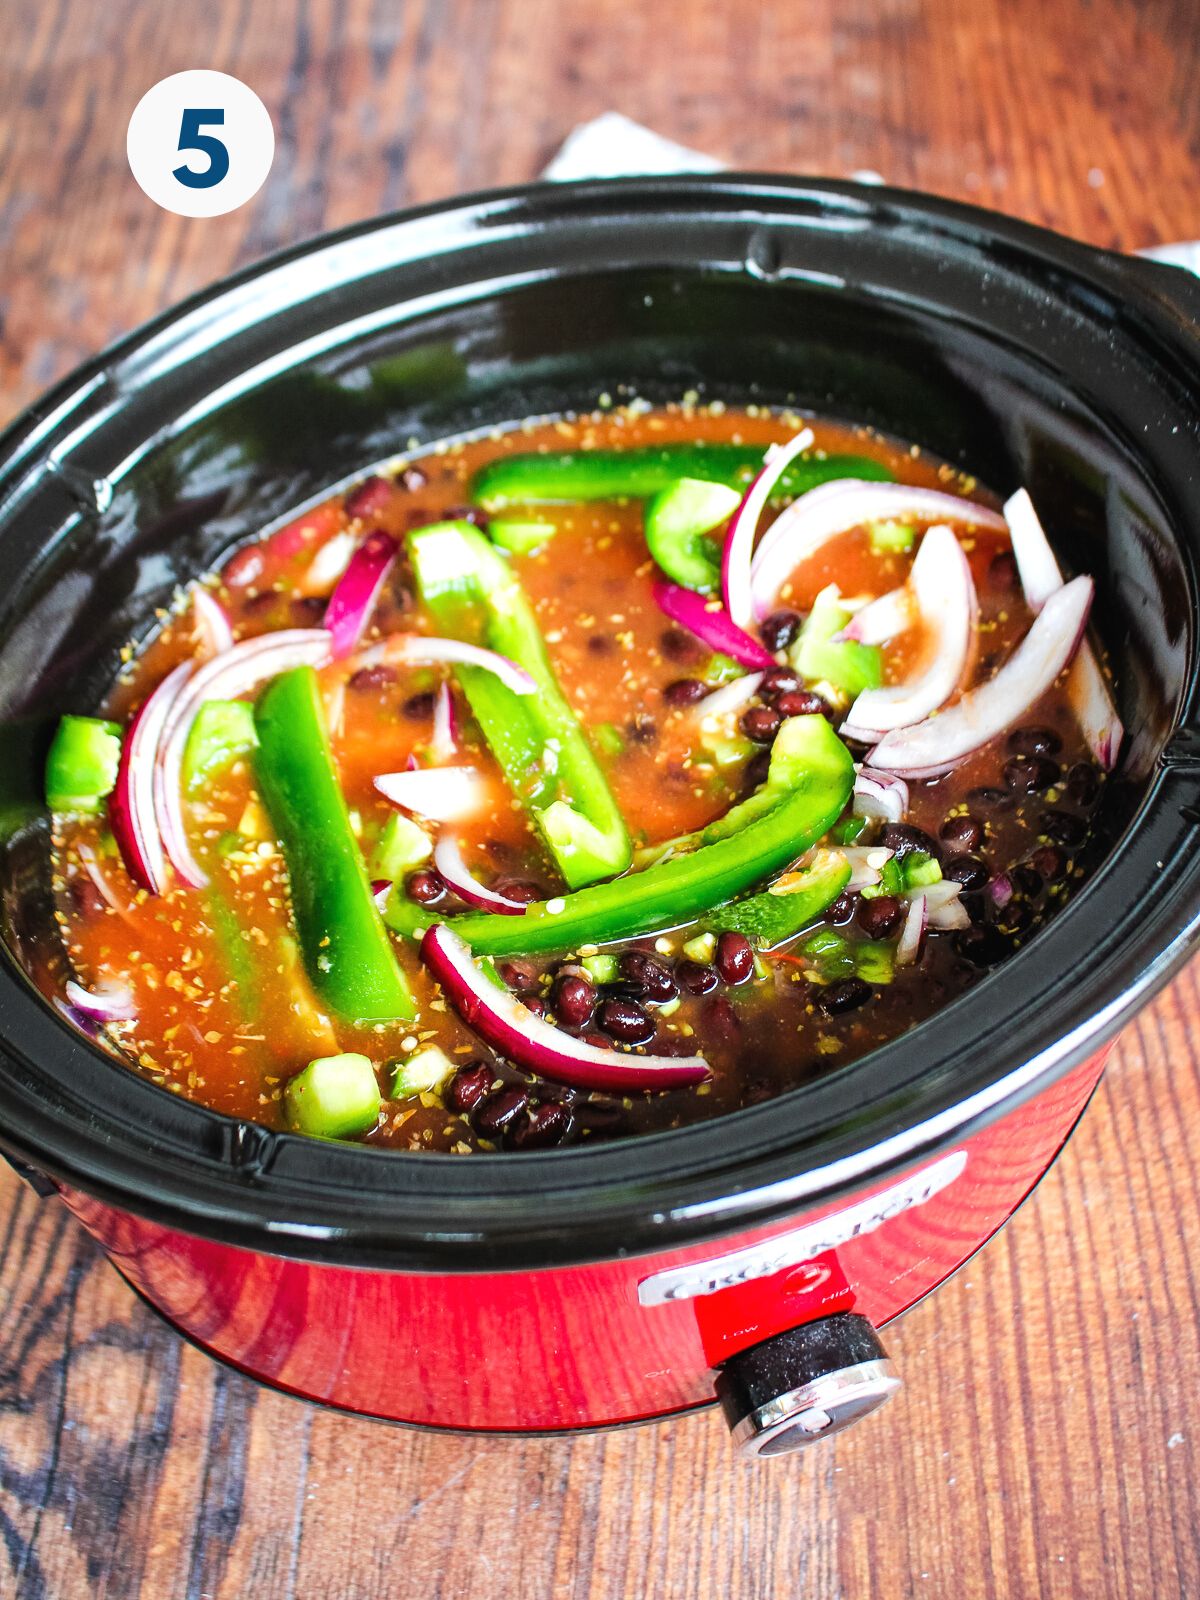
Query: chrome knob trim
(816,1410)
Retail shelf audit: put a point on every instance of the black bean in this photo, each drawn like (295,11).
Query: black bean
(425,887)
(496,1114)
(89,902)
(843,908)
(380,676)
(677,645)
(1083,783)
(760,723)
(650,978)
(720,1020)
(902,839)
(801,703)
(989,800)
(961,833)
(1049,862)
(598,1112)
(642,729)
(881,917)
(625,1020)
(685,692)
(1003,570)
(520,976)
(1034,742)
(967,870)
(982,946)
(546,1125)
(756,769)
(1064,828)
(470,1085)
(601,644)
(419,707)
(574,1001)
(308,609)
(779,629)
(536,1005)
(777,681)
(368,498)
(598,1041)
(1031,774)
(734,958)
(521,889)
(1025,880)
(697,977)
(847,995)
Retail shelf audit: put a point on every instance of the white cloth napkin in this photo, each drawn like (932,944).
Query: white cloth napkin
(614,146)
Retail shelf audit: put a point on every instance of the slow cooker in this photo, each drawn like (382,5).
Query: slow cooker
(754,1257)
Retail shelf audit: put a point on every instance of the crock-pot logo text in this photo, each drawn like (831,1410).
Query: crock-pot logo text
(802,1244)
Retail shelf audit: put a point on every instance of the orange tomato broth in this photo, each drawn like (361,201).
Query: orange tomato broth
(226,1013)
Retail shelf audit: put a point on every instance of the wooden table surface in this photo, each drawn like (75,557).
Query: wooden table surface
(1048,1439)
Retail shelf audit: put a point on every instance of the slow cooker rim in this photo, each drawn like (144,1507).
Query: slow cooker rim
(659,1223)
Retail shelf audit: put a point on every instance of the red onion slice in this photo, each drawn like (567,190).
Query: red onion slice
(443,743)
(212,624)
(945,910)
(417,649)
(912,935)
(351,602)
(381,888)
(882,620)
(832,508)
(448,859)
(226,677)
(743,525)
(927,749)
(131,804)
(729,697)
(1087,688)
(880,795)
(866,863)
(107,1002)
(944,595)
(442,794)
(711,623)
(511,1028)
(328,564)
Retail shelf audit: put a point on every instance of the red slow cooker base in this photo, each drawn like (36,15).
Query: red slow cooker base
(580,1347)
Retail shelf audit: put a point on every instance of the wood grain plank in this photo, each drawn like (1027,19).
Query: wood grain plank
(1045,1445)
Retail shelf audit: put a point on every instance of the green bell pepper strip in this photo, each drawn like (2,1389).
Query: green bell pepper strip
(678,521)
(681,889)
(347,952)
(223,731)
(848,666)
(521,538)
(473,594)
(82,763)
(770,920)
(642,471)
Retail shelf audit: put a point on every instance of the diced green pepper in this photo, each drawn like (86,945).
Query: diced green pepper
(81,767)
(646,469)
(685,887)
(678,521)
(422,1073)
(849,829)
(891,537)
(402,845)
(848,666)
(541,748)
(770,919)
(701,948)
(608,739)
(346,949)
(223,731)
(874,961)
(918,871)
(520,538)
(601,968)
(335,1097)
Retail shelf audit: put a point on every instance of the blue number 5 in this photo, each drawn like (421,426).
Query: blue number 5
(190,138)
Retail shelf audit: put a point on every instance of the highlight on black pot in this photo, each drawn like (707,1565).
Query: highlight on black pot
(592,777)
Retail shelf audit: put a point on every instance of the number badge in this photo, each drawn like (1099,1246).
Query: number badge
(200,143)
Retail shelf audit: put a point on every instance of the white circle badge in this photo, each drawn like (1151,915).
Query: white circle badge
(200,143)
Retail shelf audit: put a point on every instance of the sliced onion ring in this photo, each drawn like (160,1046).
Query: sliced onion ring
(866,863)
(711,623)
(211,622)
(511,1028)
(443,794)
(832,508)
(226,677)
(944,908)
(944,595)
(357,589)
(912,935)
(443,742)
(1087,689)
(880,620)
(448,859)
(880,795)
(937,745)
(418,649)
(131,806)
(107,1002)
(729,697)
(381,889)
(743,525)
